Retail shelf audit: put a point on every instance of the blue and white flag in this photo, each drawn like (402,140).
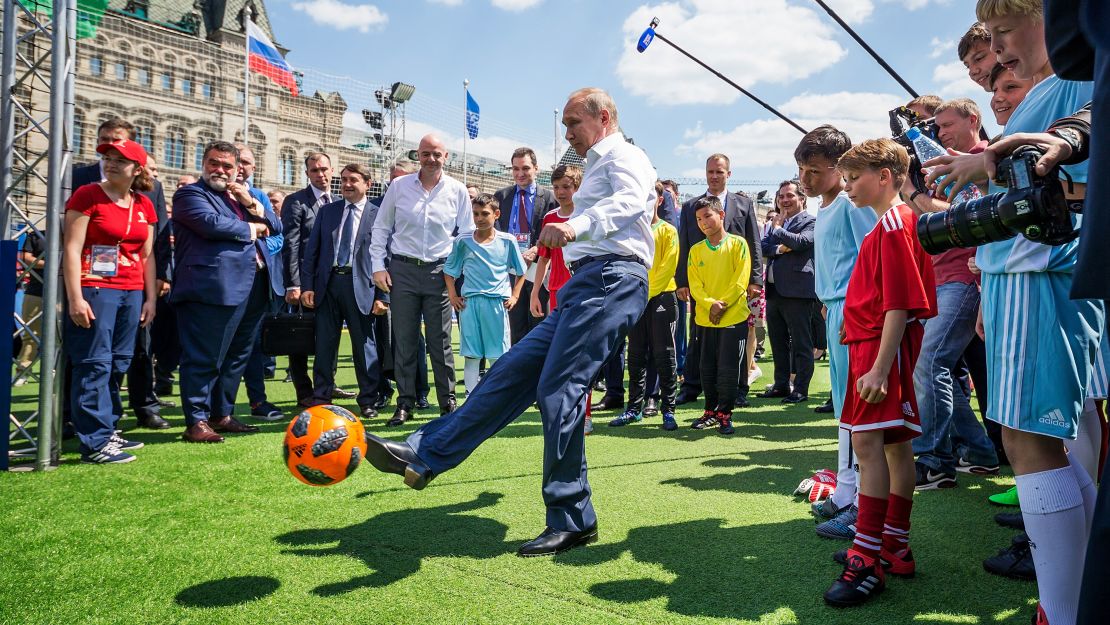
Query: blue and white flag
(471,116)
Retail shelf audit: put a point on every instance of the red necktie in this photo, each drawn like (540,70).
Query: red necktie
(235,206)
(522,217)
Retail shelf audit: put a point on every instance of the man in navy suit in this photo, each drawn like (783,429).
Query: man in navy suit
(523,206)
(140,376)
(221,282)
(739,220)
(791,295)
(337,280)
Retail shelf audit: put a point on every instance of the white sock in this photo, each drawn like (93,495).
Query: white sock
(1055,520)
(846,484)
(470,373)
(1087,489)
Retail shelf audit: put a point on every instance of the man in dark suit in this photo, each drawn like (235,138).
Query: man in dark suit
(337,280)
(791,295)
(739,220)
(140,376)
(298,214)
(222,286)
(523,206)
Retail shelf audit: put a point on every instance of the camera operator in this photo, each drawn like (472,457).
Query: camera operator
(1037,337)
(946,414)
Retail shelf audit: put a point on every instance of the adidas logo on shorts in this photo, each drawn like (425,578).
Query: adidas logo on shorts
(907,409)
(1054,418)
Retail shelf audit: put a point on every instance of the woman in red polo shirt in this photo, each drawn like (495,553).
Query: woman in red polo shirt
(109,234)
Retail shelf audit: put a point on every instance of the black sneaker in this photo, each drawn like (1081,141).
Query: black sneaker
(108,454)
(1012,520)
(1015,561)
(963,466)
(123,443)
(928,479)
(862,578)
(707,419)
(265,411)
(724,423)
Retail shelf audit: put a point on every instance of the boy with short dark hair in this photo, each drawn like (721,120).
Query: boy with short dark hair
(719,269)
(891,289)
(485,257)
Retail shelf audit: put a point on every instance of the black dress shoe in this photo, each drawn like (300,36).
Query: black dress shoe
(795,398)
(825,408)
(685,397)
(609,403)
(451,406)
(772,393)
(552,541)
(163,390)
(1013,520)
(422,403)
(368,412)
(742,402)
(381,402)
(338,393)
(397,457)
(651,407)
(152,421)
(400,415)
(166,403)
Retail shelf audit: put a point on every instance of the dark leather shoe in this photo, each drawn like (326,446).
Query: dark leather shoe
(152,421)
(368,412)
(422,403)
(201,432)
(552,541)
(338,393)
(824,408)
(1013,520)
(742,402)
(166,403)
(795,398)
(397,457)
(450,407)
(609,402)
(651,407)
(772,393)
(685,397)
(400,416)
(232,425)
(310,401)
(381,402)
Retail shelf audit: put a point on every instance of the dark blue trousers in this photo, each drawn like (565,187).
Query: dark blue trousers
(339,305)
(254,376)
(216,343)
(553,365)
(100,355)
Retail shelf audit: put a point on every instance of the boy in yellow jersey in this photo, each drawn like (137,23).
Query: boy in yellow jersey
(654,332)
(719,269)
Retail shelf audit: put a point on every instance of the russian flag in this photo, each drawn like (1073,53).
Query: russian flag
(265,59)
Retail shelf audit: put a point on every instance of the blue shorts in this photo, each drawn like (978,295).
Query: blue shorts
(838,355)
(484,327)
(1040,348)
(1100,384)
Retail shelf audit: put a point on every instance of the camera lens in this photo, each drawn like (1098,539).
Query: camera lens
(968,224)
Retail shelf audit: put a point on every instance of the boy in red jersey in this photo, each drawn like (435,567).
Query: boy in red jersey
(891,289)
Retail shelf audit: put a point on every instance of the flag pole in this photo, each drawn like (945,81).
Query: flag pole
(246,73)
(466,125)
(555,143)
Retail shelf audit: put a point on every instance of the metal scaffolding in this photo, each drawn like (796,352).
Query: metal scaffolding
(38,64)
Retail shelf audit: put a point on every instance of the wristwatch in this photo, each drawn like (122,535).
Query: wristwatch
(1071,137)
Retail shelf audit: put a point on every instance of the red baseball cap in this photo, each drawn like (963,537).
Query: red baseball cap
(128,149)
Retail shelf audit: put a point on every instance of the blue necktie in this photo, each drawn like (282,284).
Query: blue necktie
(346,236)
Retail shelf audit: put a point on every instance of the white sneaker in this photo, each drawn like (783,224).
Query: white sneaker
(754,375)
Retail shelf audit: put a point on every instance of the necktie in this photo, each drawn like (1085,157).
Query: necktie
(235,207)
(344,258)
(324,200)
(522,224)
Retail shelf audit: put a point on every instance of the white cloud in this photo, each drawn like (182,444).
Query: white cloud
(771,142)
(515,5)
(342,16)
(952,81)
(450,3)
(709,29)
(852,11)
(695,132)
(940,48)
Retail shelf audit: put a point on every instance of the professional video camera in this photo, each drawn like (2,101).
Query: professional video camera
(901,120)
(1032,206)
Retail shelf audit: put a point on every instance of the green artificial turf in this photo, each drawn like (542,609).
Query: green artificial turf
(694,528)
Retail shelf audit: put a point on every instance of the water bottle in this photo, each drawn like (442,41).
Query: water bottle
(928,149)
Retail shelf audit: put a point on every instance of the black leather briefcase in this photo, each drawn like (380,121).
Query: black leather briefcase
(289,333)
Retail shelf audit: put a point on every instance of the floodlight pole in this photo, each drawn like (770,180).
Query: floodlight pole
(466,125)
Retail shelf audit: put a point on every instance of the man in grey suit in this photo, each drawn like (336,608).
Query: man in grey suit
(523,206)
(297,217)
(337,280)
(739,220)
(791,295)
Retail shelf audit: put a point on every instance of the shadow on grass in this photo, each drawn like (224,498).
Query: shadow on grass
(394,544)
(227,592)
(771,472)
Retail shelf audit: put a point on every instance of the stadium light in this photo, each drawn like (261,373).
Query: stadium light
(372,118)
(383,99)
(401,92)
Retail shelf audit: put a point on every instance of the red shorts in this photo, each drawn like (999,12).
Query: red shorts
(897,414)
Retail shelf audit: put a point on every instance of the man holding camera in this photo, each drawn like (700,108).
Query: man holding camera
(944,404)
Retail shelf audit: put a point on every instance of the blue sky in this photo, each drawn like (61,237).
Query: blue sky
(523,57)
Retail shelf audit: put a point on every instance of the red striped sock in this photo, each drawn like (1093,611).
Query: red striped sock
(869,525)
(896,527)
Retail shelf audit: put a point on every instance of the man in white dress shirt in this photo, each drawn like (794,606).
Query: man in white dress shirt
(608,247)
(419,217)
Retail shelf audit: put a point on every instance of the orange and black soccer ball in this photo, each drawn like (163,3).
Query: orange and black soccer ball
(323,445)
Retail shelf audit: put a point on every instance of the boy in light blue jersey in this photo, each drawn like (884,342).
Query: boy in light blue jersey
(1041,345)
(839,231)
(485,258)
